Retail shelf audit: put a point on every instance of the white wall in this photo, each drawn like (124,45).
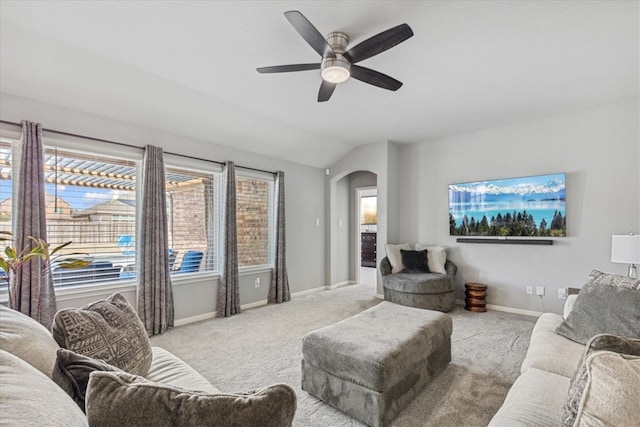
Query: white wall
(598,149)
(304,190)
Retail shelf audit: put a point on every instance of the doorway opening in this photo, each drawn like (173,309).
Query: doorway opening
(366,235)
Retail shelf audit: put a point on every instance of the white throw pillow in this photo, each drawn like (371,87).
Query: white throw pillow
(436,257)
(568,305)
(395,257)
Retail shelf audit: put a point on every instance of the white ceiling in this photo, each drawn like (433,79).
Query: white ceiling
(188,68)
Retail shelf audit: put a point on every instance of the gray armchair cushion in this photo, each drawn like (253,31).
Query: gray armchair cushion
(419,283)
(120,399)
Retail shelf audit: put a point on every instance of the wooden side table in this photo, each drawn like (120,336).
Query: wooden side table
(475,297)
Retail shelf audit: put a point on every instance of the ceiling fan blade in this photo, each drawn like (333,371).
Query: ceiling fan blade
(288,68)
(326,90)
(379,43)
(309,33)
(375,78)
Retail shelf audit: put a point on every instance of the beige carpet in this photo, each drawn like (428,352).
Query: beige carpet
(262,346)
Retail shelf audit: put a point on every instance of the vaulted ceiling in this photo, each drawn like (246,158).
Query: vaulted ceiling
(189,68)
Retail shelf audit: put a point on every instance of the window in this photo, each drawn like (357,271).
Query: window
(91,201)
(192,219)
(254,214)
(6,190)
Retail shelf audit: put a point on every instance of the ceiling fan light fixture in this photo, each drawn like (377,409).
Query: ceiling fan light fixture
(335,70)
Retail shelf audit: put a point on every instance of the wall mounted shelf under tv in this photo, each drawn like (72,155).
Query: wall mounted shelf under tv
(507,241)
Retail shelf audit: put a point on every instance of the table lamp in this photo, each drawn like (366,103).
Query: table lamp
(626,249)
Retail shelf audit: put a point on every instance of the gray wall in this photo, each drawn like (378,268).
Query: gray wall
(598,149)
(305,201)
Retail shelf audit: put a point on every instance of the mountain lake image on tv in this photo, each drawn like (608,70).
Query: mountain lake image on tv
(529,206)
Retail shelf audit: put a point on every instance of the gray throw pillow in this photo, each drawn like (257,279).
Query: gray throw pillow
(415,261)
(603,342)
(72,371)
(602,310)
(119,399)
(108,330)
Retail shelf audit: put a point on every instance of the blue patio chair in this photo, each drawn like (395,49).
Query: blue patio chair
(191,262)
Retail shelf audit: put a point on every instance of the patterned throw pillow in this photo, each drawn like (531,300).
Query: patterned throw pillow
(603,342)
(108,330)
(610,279)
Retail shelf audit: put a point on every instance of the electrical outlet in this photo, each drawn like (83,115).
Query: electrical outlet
(257,282)
(529,290)
(540,290)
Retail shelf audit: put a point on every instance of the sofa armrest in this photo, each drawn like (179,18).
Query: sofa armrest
(451,268)
(385,266)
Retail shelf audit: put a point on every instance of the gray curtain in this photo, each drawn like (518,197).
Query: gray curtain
(155,296)
(32,293)
(279,289)
(229,290)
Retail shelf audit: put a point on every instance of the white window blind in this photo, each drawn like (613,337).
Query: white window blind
(91,201)
(193,217)
(6,191)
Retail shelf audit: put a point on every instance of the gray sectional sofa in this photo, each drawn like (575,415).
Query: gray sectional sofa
(566,383)
(171,392)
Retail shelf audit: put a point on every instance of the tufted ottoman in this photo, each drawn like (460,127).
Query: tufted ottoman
(373,364)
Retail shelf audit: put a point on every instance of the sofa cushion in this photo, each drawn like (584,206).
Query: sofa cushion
(167,368)
(602,309)
(118,399)
(395,257)
(419,283)
(535,399)
(28,339)
(72,372)
(437,256)
(29,398)
(611,393)
(604,342)
(549,351)
(415,261)
(109,330)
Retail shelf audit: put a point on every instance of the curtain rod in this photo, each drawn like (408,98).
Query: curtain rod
(122,144)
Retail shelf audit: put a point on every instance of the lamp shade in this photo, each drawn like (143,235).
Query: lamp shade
(625,248)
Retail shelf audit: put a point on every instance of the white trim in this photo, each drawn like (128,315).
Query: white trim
(342,284)
(371,191)
(380,296)
(254,269)
(88,291)
(507,309)
(311,291)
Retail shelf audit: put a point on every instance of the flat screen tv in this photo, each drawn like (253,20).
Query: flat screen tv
(528,206)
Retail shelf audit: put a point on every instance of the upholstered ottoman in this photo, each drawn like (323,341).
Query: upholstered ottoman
(373,364)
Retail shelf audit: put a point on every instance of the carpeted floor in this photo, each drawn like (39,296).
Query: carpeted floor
(262,346)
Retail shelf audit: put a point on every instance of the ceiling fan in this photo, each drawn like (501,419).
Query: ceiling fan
(338,63)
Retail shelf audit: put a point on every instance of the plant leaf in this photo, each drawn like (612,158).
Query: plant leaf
(57,248)
(11,252)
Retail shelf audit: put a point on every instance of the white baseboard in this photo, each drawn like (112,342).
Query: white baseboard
(310,291)
(507,309)
(380,296)
(341,284)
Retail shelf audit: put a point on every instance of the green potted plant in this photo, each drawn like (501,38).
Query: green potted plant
(11,261)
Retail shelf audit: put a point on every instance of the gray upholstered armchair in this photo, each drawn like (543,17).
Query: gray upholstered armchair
(431,291)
